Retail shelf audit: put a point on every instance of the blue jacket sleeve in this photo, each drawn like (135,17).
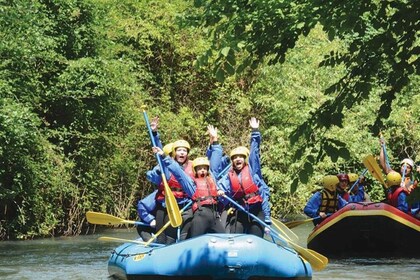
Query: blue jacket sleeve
(146,206)
(341,202)
(154,176)
(254,152)
(183,179)
(402,203)
(312,206)
(359,196)
(156,138)
(265,194)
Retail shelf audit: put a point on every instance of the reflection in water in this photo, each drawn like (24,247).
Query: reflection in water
(82,257)
(85,257)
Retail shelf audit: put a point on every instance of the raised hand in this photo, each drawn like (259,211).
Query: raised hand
(154,123)
(254,123)
(212,131)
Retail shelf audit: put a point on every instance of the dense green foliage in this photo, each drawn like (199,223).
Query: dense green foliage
(74,73)
(380,54)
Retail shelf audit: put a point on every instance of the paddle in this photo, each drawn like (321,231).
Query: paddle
(317,261)
(166,225)
(113,239)
(374,169)
(107,219)
(170,201)
(293,224)
(285,230)
(223,172)
(357,181)
(403,175)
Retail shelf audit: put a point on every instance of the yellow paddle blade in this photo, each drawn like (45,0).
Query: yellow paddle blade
(290,235)
(293,224)
(171,205)
(323,258)
(374,169)
(317,261)
(105,219)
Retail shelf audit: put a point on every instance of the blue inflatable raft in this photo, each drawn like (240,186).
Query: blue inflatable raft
(210,256)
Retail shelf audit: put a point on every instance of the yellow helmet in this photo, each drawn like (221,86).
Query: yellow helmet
(330,182)
(180,143)
(353,177)
(393,179)
(241,150)
(167,149)
(200,161)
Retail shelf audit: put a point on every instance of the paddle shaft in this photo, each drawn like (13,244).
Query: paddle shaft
(170,200)
(223,172)
(293,224)
(285,242)
(403,175)
(318,262)
(113,239)
(166,225)
(107,219)
(357,181)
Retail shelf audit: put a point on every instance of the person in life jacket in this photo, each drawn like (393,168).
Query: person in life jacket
(357,193)
(326,201)
(146,210)
(406,168)
(244,184)
(202,189)
(397,192)
(343,184)
(180,151)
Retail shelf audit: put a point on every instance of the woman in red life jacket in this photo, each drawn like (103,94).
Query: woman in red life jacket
(180,150)
(242,185)
(202,189)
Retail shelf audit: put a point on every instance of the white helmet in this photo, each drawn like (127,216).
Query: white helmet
(408,161)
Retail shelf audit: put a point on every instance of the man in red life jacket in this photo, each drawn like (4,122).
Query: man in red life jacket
(397,193)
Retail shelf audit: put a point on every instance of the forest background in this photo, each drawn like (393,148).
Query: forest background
(74,73)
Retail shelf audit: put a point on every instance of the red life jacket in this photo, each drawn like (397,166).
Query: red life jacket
(205,193)
(245,191)
(393,196)
(345,195)
(176,188)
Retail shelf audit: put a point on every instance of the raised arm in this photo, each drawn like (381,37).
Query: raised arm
(254,153)
(183,179)
(154,126)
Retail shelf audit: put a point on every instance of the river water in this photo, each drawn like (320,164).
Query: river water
(85,257)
